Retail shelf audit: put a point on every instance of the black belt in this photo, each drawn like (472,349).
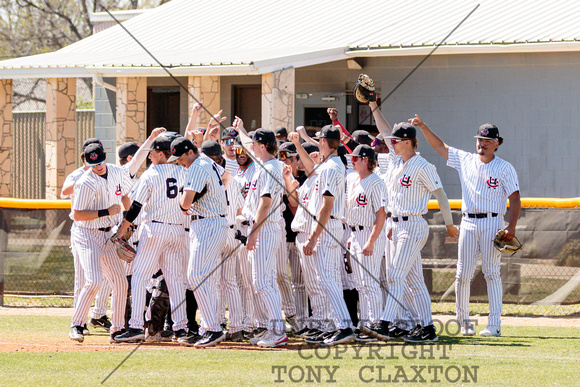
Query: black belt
(197,217)
(400,218)
(171,224)
(479,216)
(231,226)
(186,229)
(105,229)
(354,228)
(388,214)
(246,223)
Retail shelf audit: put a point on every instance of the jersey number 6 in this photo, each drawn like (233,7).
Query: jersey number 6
(171,185)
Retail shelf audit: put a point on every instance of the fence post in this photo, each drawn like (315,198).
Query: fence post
(3,251)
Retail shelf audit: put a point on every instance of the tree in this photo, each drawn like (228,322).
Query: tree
(29,27)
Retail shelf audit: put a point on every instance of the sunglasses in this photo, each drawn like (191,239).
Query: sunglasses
(285,155)
(357,158)
(397,140)
(240,151)
(229,141)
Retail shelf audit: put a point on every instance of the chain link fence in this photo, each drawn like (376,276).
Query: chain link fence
(542,279)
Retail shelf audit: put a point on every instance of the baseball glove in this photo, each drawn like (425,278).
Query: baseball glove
(364,90)
(124,249)
(506,247)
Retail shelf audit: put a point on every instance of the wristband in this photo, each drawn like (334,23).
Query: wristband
(183,209)
(102,213)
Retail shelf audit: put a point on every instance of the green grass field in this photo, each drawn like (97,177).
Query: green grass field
(522,356)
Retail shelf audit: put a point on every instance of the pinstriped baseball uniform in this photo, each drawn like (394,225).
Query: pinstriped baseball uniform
(96,253)
(267,180)
(161,242)
(484,190)
(134,240)
(364,199)
(231,166)
(229,288)
(249,297)
(282,264)
(302,224)
(207,237)
(327,253)
(411,184)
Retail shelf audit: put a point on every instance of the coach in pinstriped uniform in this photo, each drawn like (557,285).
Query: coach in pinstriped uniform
(486,182)
(327,204)
(262,209)
(161,242)
(365,216)
(99,194)
(412,180)
(204,196)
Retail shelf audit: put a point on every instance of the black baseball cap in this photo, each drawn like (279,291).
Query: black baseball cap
(363,150)
(342,151)
(90,141)
(330,132)
(127,149)
(280,131)
(161,143)
(490,132)
(229,132)
(94,155)
(211,148)
(403,130)
(310,147)
(264,136)
(179,147)
(289,147)
(363,137)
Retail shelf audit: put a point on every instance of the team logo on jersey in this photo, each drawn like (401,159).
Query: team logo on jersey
(492,183)
(254,185)
(305,199)
(118,191)
(316,185)
(361,200)
(405,181)
(93,156)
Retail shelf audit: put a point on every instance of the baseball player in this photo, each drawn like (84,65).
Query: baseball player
(228,284)
(99,317)
(161,241)
(262,210)
(250,301)
(486,182)
(96,209)
(365,216)
(327,204)
(203,194)
(228,141)
(412,180)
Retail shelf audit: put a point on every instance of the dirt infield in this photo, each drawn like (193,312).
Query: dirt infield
(98,339)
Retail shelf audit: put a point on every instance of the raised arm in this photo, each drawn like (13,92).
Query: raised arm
(382,124)
(433,140)
(304,156)
(302,131)
(141,154)
(191,124)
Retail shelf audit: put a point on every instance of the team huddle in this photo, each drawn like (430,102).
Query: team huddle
(318,236)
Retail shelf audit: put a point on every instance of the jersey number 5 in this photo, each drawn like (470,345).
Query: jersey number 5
(171,185)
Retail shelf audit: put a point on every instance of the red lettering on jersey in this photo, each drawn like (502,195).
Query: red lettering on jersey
(254,185)
(361,200)
(118,191)
(492,183)
(405,181)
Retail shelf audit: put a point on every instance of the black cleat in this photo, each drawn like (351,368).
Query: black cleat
(76,334)
(379,330)
(342,336)
(362,338)
(210,339)
(101,322)
(424,335)
(131,336)
(235,337)
(397,333)
(321,337)
(115,334)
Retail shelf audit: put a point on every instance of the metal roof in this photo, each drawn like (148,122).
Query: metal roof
(258,36)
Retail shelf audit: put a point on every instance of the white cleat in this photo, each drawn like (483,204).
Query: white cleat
(491,331)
